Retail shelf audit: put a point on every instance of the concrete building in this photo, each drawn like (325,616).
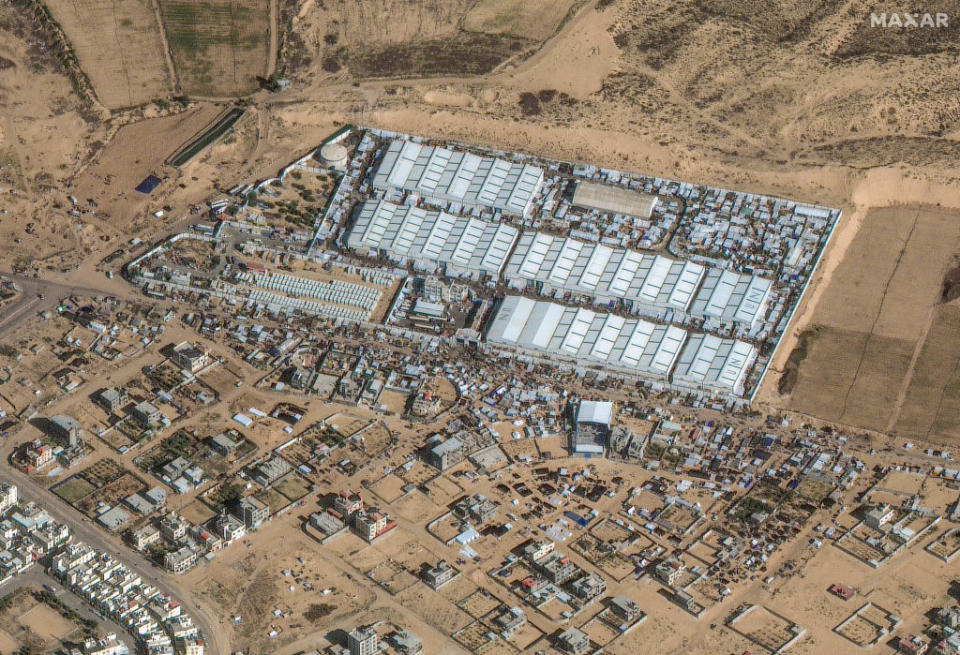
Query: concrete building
(439,575)
(9,496)
(949,617)
(537,550)
(327,522)
(369,525)
(348,503)
(268,472)
(573,641)
(230,528)
(39,456)
(477,508)
(877,517)
(406,643)
(669,571)
(557,568)
(223,444)
(67,429)
(108,645)
(446,454)
(252,511)
(181,560)
(145,536)
(588,588)
(190,357)
(362,641)
(625,608)
(173,527)
(191,646)
(509,621)
(619,441)
(147,415)
(112,400)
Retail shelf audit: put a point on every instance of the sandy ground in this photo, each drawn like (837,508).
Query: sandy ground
(729,109)
(46,622)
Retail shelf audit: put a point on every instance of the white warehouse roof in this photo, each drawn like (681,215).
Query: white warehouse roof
(467,245)
(595,411)
(732,297)
(600,271)
(445,175)
(633,346)
(649,281)
(711,362)
(614,199)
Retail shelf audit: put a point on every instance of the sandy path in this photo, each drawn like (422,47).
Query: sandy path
(171,69)
(274,38)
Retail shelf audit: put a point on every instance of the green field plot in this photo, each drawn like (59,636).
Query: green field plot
(73,489)
(219,47)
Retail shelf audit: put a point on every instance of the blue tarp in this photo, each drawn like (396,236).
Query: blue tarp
(149,183)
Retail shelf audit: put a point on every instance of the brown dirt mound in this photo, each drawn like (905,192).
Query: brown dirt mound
(951,285)
(788,379)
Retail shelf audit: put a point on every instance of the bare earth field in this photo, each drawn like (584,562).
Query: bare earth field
(46,623)
(137,150)
(120,47)
(879,322)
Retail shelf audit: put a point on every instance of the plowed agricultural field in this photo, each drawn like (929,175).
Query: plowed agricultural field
(219,47)
(883,353)
(119,47)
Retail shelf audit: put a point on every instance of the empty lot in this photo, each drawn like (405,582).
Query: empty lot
(881,334)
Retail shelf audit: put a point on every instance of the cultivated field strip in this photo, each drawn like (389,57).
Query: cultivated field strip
(119,46)
(219,47)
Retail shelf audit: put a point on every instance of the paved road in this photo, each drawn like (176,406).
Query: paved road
(89,533)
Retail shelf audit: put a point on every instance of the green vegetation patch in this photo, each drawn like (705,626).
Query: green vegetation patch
(462,54)
(73,489)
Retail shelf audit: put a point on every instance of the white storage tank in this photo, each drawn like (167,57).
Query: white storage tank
(334,155)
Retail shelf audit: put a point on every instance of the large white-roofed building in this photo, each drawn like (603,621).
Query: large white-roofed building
(592,427)
(631,346)
(614,199)
(577,334)
(443,175)
(650,284)
(431,239)
(712,363)
(730,297)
